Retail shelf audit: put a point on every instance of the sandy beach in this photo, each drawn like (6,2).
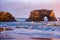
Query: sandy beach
(28,38)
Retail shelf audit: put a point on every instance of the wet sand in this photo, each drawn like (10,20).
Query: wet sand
(14,37)
(27,38)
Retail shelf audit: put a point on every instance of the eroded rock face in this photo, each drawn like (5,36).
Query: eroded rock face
(6,17)
(38,15)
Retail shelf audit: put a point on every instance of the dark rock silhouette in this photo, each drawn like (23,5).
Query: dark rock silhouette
(5,29)
(6,17)
(38,15)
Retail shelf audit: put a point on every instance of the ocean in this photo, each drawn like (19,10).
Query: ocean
(31,29)
(21,23)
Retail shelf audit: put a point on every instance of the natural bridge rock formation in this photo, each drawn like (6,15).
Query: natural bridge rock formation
(6,17)
(38,15)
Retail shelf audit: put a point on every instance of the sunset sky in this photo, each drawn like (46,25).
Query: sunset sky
(22,8)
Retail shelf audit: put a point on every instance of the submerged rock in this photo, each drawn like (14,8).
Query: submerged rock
(38,15)
(5,29)
(6,17)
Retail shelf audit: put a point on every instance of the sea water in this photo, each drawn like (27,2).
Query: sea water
(21,23)
(32,29)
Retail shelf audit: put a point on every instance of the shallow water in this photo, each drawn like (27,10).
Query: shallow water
(36,25)
(30,29)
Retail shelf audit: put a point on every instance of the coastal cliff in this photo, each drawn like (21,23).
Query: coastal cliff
(6,17)
(38,15)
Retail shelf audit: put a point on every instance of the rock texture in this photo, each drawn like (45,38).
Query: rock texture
(38,15)
(6,17)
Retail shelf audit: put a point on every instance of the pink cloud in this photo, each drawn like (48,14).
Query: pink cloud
(23,8)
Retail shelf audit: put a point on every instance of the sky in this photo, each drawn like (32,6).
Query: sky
(22,8)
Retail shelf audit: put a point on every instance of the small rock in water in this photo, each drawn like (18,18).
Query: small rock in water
(3,29)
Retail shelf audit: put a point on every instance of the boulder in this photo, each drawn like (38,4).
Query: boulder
(6,17)
(38,15)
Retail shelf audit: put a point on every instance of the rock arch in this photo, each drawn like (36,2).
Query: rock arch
(38,15)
